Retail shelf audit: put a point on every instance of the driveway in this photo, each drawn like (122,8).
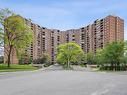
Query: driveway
(61,82)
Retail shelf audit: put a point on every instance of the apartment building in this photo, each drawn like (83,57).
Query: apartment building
(90,37)
(108,29)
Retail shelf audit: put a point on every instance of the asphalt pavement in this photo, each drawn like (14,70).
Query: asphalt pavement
(62,82)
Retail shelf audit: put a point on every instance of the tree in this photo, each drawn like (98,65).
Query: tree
(25,58)
(82,59)
(1,59)
(125,47)
(17,35)
(68,53)
(99,57)
(1,40)
(125,52)
(90,57)
(44,59)
(113,54)
(4,13)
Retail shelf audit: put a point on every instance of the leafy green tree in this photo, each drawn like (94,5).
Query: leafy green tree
(82,59)
(125,47)
(125,52)
(90,57)
(4,13)
(1,40)
(17,35)
(25,58)
(69,53)
(45,59)
(99,57)
(114,53)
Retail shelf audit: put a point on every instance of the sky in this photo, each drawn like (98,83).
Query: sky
(67,14)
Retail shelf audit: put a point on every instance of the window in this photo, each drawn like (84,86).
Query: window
(73,39)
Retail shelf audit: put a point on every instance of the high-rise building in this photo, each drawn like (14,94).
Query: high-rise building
(90,38)
(106,30)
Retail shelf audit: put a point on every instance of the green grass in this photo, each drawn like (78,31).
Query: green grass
(13,68)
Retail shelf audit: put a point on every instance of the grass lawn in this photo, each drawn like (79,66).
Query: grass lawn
(13,68)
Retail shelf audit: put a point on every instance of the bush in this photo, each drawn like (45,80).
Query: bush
(83,65)
(121,67)
(37,61)
(45,59)
(25,61)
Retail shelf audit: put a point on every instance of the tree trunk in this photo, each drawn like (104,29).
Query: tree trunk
(68,64)
(112,67)
(118,66)
(9,56)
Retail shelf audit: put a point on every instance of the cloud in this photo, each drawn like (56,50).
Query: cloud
(65,14)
